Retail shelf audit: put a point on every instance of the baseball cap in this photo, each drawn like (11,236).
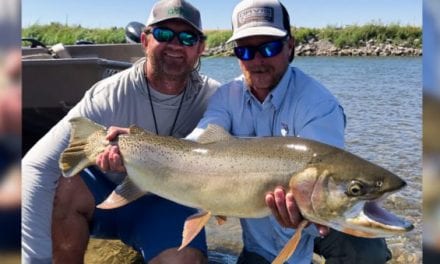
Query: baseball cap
(257,18)
(175,9)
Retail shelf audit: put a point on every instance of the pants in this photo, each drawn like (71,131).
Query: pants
(338,248)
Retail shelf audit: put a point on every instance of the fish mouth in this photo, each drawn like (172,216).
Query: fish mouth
(374,221)
(379,215)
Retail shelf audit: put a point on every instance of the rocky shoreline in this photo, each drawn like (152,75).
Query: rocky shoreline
(325,48)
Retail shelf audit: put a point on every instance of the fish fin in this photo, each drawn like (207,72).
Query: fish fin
(214,133)
(133,129)
(124,193)
(291,245)
(77,155)
(221,219)
(193,225)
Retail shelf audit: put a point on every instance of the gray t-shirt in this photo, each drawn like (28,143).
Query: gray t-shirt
(120,100)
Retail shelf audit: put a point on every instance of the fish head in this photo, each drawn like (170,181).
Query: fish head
(342,191)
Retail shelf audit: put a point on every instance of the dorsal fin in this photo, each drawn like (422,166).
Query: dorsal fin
(214,133)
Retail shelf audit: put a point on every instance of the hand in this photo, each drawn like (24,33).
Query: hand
(286,211)
(110,159)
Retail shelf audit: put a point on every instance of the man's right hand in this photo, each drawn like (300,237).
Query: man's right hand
(286,211)
(110,159)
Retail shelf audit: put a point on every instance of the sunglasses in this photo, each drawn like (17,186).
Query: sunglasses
(267,50)
(186,38)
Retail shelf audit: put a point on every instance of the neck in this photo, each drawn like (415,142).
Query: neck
(164,84)
(260,94)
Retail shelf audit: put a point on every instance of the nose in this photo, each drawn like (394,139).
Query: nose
(258,59)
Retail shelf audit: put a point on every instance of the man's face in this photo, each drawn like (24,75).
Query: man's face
(262,74)
(172,59)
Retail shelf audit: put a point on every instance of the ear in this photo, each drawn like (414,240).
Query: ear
(291,46)
(291,43)
(144,39)
(201,47)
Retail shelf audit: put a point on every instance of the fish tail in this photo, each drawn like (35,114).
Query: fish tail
(87,140)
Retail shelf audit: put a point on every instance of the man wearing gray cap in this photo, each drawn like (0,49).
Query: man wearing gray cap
(163,93)
(272,98)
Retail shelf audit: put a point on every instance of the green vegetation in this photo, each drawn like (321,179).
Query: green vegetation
(56,33)
(348,36)
(217,37)
(356,36)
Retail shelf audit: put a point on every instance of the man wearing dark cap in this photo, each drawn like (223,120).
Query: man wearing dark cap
(163,93)
(272,98)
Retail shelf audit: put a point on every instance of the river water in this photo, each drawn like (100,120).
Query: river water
(382,99)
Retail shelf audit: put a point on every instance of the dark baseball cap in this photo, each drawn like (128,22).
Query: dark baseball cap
(164,10)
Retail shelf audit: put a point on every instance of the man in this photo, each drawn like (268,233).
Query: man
(273,99)
(162,93)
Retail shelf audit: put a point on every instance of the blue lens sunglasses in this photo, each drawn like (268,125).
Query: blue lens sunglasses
(267,50)
(186,38)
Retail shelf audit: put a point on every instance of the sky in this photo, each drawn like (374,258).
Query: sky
(216,14)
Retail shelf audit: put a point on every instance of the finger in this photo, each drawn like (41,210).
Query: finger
(270,202)
(113,132)
(104,160)
(116,160)
(322,230)
(280,201)
(293,210)
(99,160)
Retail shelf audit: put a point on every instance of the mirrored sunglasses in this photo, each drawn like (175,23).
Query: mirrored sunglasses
(186,38)
(267,50)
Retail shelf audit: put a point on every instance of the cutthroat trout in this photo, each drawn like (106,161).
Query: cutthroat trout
(227,176)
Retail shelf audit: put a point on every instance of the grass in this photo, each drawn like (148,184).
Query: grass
(348,36)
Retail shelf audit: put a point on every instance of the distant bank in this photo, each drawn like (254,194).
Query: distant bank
(352,40)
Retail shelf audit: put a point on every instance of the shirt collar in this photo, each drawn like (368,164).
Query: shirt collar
(276,96)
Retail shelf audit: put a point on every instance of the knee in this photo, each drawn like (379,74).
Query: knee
(72,197)
(185,256)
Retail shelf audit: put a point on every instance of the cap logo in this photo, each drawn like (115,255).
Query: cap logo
(255,14)
(176,11)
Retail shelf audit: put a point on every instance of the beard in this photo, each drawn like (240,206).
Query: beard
(262,77)
(175,68)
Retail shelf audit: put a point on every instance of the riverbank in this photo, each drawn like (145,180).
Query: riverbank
(325,48)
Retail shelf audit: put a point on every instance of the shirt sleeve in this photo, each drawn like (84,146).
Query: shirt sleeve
(217,113)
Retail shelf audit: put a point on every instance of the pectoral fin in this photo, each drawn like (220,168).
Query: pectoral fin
(124,193)
(290,247)
(192,227)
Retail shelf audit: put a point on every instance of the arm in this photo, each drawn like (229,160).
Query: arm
(217,113)
(40,174)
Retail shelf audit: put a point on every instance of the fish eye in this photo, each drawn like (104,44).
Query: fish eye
(356,188)
(379,184)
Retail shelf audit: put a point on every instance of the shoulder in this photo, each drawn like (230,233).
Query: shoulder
(309,90)
(117,83)
(234,87)
(207,83)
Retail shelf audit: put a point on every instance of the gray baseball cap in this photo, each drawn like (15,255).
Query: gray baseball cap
(175,9)
(257,18)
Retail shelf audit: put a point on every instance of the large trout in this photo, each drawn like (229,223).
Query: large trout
(226,176)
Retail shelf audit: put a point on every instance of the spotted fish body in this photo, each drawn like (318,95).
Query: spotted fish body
(227,176)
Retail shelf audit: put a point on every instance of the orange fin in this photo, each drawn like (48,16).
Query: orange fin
(221,219)
(291,245)
(192,227)
(124,193)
